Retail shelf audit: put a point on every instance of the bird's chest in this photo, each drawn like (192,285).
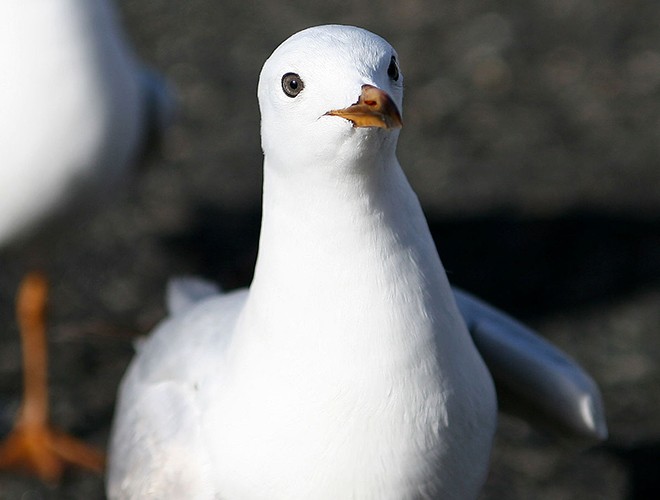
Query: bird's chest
(367,422)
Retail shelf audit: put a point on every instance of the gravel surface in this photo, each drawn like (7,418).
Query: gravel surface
(531,135)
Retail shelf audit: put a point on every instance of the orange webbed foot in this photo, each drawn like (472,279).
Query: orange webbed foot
(33,445)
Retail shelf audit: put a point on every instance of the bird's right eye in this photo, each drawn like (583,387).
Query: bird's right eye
(292,84)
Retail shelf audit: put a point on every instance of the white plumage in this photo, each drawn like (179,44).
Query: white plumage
(76,106)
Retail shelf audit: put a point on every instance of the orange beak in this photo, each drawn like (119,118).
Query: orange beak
(374,109)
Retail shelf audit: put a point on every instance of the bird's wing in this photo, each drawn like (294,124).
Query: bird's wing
(157,446)
(534,379)
(157,449)
(185,291)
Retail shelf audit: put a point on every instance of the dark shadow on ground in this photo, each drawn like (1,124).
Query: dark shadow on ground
(534,267)
(220,245)
(529,267)
(642,461)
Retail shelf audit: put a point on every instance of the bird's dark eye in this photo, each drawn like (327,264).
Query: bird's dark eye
(393,69)
(292,84)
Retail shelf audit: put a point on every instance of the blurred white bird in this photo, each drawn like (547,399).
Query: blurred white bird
(346,370)
(76,111)
(77,107)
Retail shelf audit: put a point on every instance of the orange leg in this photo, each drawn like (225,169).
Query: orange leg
(33,445)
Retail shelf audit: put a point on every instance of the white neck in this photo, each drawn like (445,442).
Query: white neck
(343,253)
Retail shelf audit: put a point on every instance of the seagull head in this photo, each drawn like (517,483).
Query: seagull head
(331,95)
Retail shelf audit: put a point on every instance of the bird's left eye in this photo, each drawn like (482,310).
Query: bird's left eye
(393,69)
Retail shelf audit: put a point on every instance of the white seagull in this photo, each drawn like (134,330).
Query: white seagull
(76,107)
(76,111)
(346,370)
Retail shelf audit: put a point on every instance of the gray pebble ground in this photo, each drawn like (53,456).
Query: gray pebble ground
(532,135)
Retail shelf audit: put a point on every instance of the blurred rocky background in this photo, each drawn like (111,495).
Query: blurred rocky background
(532,137)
